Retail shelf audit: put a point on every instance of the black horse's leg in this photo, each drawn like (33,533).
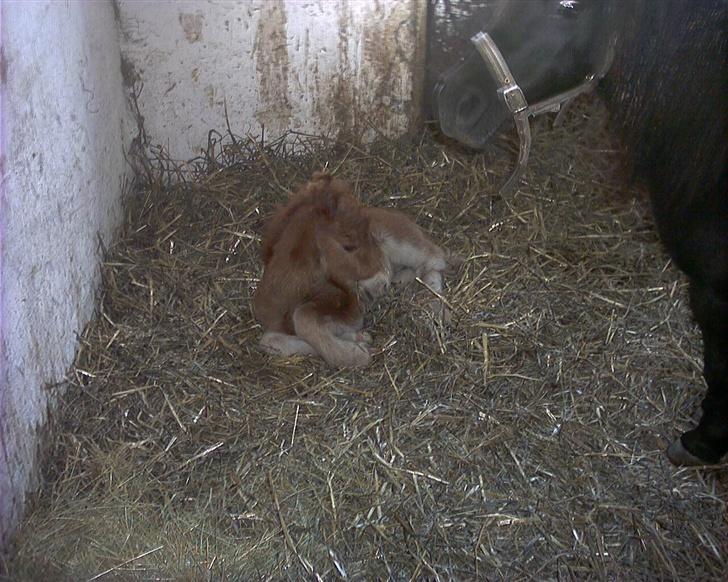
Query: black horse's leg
(708,442)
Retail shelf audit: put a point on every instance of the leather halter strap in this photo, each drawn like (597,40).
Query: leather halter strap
(514,99)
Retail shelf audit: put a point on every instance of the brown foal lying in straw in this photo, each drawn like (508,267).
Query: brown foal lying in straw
(320,249)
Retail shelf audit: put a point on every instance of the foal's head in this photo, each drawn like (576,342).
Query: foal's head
(348,251)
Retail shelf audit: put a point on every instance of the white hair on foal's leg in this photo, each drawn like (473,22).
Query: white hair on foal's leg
(433,279)
(286,345)
(377,285)
(359,337)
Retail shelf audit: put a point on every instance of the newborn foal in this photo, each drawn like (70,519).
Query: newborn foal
(315,249)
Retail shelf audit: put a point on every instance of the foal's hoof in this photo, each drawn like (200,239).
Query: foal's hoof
(439,311)
(358,357)
(680,456)
(349,355)
(362,337)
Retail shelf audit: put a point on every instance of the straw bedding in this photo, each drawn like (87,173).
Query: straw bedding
(524,440)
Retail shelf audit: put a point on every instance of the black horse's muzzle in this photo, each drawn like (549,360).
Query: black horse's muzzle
(469,110)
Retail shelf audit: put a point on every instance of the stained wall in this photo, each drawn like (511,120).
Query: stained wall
(63,171)
(336,67)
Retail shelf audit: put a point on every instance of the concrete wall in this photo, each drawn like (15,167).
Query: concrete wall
(62,165)
(323,67)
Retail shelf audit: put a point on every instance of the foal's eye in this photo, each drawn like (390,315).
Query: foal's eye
(349,248)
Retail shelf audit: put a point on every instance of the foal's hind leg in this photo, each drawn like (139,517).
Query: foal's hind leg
(286,345)
(708,442)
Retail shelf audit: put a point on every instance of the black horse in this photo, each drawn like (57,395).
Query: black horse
(667,92)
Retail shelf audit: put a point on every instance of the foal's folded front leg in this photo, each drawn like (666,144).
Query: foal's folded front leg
(356,336)
(283,344)
(331,332)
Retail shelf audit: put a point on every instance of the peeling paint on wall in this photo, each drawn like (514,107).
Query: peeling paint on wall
(335,67)
(192,26)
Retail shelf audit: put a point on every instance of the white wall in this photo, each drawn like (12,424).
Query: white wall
(319,67)
(62,160)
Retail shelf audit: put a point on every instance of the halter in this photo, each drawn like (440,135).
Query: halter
(514,99)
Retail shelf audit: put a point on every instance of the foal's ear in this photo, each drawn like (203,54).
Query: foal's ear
(323,178)
(326,198)
(327,203)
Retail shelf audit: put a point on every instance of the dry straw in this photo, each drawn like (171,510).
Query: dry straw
(523,441)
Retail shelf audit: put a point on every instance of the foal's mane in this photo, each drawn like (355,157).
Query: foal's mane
(319,198)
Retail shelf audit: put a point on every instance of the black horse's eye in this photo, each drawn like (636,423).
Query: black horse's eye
(349,248)
(569,8)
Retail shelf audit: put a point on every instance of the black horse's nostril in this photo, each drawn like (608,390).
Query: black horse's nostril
(470,108)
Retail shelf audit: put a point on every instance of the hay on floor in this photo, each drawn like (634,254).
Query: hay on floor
(523,441)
